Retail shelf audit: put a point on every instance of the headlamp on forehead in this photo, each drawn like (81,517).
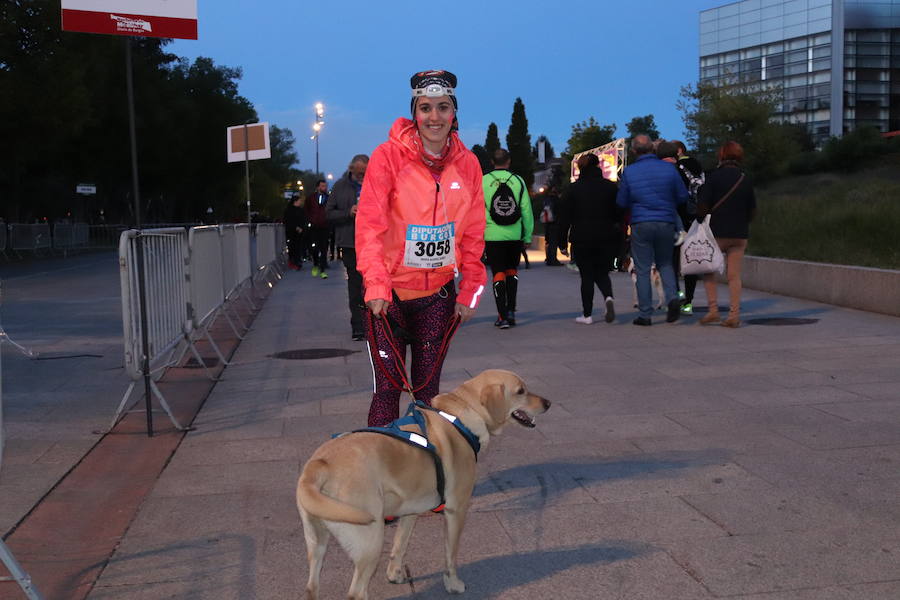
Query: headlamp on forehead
(433,90)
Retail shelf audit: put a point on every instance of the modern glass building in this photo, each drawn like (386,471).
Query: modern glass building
(837,61)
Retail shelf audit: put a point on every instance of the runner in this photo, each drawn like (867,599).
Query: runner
(420,222)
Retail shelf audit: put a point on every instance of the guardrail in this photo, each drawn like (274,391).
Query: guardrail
(69,236)
(191,277)
(29,237)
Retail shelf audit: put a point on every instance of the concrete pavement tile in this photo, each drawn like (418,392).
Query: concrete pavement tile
(824,467)
(855,362)
(837,377)
(323,427)
(635,479)
(865,591)
(877,391)
(215,566)
(771,511)
(754,419)
(228,429)
(727,370)
(482,536)
(184,480)
(649,520)
(728,444)
(282,383)
(807,395)
(196,451)
(756,564)
(172,518)
(614,569)
(844,435)
(611,427)
(876,502)
(886,411)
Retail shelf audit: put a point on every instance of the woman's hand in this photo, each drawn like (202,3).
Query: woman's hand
(465,313)
(378,306)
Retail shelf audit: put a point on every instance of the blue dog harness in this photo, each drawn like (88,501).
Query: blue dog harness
(414,416)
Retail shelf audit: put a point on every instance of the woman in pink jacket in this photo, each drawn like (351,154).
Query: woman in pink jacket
(420,224)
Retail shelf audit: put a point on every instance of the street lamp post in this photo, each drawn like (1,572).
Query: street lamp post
(317,127)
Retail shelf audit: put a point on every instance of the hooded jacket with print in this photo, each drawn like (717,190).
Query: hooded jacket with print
(400,191)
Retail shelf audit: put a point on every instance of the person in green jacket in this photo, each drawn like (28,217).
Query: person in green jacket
(510,223)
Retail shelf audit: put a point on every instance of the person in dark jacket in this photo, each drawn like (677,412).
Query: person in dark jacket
(652,189)
(550,218)
(730,225)
(294,224)
(693,177)
(318,229)
(340,211)
(591,220)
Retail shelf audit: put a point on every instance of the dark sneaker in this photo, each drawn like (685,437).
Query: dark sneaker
(501,323)
(511,319)
(359,336)
(674,311)
(643,322)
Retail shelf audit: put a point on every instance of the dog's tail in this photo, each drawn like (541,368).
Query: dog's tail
(313,501)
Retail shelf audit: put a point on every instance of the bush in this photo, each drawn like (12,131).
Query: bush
(851,220)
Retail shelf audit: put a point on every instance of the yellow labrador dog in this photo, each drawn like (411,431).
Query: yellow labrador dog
(352,482)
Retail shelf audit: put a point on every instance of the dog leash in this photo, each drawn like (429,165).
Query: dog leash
(400,360)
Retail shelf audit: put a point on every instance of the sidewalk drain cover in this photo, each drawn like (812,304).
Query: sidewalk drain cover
(705,309)
(313,353)
(782,321)
(209,361)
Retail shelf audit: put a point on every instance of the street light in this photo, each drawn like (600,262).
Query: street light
(319,109)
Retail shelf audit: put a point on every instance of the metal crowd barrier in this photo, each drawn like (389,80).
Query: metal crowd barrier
(4,238)
(268,254)
(168,322)
(191,276)
(69,236)
(29,237)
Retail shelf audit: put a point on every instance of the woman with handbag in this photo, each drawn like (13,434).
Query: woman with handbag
(728,196)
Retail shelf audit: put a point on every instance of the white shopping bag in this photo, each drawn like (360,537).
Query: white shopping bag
(700,253)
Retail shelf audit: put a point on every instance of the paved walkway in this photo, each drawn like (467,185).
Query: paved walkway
(677,462)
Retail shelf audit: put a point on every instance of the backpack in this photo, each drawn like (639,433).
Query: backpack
(505,208)
(694,183)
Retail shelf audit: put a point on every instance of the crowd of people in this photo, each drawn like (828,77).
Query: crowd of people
(416,224)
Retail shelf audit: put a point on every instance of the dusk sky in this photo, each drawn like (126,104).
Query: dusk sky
(610,60)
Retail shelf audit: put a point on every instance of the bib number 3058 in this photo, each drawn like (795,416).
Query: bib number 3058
(429,246)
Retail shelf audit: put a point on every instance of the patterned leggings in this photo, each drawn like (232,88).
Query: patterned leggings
(425,320)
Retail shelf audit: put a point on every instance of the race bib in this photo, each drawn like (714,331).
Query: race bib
(429,246)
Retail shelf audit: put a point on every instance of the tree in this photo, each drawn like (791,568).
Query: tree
(483,158)
(589,134)
(643,125)
(64,120)
(492,141)
(548,149)
(518,142)
(714,115)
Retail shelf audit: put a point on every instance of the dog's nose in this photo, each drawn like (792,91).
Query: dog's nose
(545,403)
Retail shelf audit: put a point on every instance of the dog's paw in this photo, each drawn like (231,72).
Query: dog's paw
(453,584)
(397,574)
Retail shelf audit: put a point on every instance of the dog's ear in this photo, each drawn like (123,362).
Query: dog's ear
(493,399)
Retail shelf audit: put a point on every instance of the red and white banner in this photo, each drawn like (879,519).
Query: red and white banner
(150,18)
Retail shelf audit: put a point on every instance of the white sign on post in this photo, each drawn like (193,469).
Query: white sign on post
(257,138)
(88,189)
(151,18)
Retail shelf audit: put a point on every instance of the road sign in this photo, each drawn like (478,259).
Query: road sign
(87,189)
(257,136)
(149,18)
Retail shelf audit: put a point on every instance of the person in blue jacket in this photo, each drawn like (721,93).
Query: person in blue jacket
(652,190)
